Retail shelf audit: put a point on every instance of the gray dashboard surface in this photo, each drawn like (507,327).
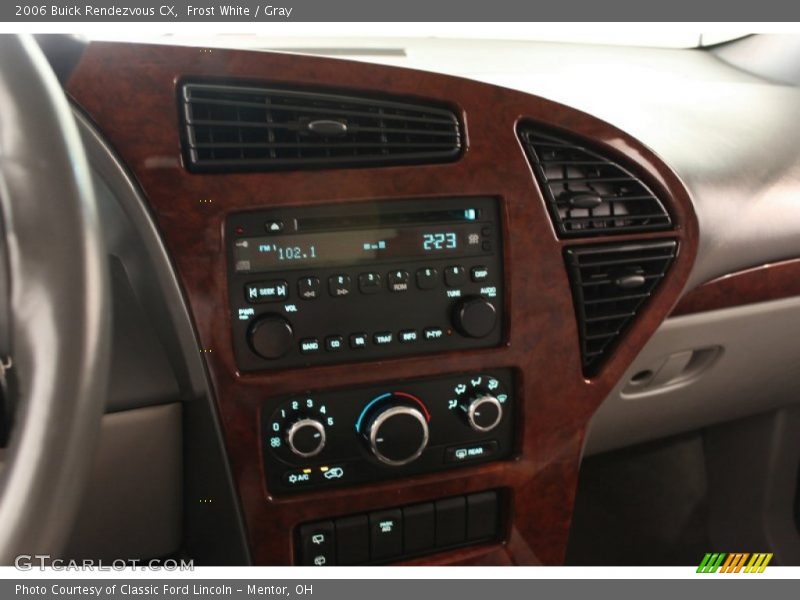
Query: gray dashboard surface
(730,136)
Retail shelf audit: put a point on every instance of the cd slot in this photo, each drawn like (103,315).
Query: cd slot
(320,223)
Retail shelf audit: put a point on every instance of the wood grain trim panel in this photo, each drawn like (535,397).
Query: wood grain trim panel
(129,91)
(773,281)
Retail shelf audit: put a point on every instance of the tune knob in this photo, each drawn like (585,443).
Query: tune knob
(396,431)
(483,412)
(306,437)
(271,336)
(475,317)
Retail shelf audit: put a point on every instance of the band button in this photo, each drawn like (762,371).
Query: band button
(309,346)
(407,336)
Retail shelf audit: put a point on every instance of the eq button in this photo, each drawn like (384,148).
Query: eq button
(398,281)
(358,341)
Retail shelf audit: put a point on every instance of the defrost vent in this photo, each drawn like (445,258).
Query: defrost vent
(243,128)
(610,284)
(588,192)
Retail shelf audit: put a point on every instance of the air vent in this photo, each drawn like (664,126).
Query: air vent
(588,193)
(240,128)
(609,286)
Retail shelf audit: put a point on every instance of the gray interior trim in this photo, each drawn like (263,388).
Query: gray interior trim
(744,361)
(772,56)
(60,304)
(133,506)
(213,531)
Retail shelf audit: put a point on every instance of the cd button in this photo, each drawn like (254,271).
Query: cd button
(382,339)
(369,283)
(398,281)
(339,285)
(334,343)
(407,336)
(309,346)
(308,288)
(427,279)
(266,291)
(358,341)
(479,273)
(434,333)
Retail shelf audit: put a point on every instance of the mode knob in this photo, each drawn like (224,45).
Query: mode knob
(271,336)
(475,317)
(483,412)
(306,437)
(396,432)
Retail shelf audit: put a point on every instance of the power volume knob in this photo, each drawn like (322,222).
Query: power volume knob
(271,336)
(306,437)
(475,317)
(483,412)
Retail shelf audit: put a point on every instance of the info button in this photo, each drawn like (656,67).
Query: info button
(470,452)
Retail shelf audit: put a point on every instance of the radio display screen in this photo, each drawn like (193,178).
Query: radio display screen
(265,253)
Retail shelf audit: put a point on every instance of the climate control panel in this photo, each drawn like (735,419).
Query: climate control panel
(343,437)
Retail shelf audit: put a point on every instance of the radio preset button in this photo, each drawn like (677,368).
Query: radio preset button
(407,336)
(427,279)
(434,333)
(398,281)
(308,288)
(334,343)
(384,338)
(455,276)
(339,285)
(369,283)
(479,273)
(309,346)
(358,341)
(266,291)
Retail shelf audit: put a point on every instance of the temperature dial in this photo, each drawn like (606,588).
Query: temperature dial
(395,428)
(306,437)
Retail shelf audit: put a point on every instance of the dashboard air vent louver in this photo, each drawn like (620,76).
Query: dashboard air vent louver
(587,192)
(241,128)
(609,285)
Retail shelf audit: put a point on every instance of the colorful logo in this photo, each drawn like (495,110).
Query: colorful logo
(734,563)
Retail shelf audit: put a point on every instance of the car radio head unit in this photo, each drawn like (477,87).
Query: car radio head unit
(327,284)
